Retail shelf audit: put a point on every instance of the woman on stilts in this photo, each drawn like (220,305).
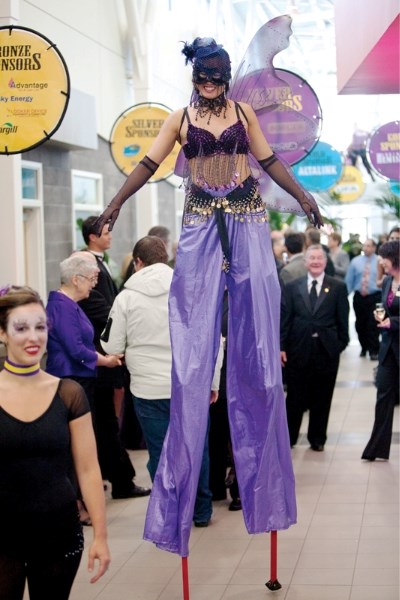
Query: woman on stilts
(225,241)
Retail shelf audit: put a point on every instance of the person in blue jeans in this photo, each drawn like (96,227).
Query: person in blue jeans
(138,325)
(153,416)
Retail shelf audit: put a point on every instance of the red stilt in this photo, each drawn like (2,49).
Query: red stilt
(185,578)
(273,584)
(274,557)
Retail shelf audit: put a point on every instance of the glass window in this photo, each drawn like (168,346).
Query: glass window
(87,200)
(80,216)
(85,190)
(30,181)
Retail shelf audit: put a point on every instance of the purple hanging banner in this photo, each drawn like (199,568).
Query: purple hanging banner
(294,127)
(288,111)
(384,150)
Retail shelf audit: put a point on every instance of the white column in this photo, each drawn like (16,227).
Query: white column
(12,268)
(140,17)
(9,12)
(146,209)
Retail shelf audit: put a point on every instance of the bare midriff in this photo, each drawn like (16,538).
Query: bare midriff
(219,171)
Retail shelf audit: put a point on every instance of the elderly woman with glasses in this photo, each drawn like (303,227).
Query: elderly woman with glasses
(70,348)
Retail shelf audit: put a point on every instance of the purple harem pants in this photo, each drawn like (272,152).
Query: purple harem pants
(256,403)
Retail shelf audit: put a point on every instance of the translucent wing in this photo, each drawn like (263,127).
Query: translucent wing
(256,81)
(286,106)
(180,164)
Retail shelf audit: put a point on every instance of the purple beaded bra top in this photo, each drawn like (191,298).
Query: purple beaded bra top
(214,164)
(201,142)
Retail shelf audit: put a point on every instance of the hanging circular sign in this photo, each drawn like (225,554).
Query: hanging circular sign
(384,150)
(34,89)
(321,169)
(351,185)
(302,125)
(288,111)
(395,187)
(132,135)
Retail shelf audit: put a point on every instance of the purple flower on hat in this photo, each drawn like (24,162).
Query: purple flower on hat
(5,289)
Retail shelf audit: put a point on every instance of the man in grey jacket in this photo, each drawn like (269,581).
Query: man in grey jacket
(295,244)
(138,325)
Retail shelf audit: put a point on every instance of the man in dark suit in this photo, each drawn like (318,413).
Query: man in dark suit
(114,460)
(314,331)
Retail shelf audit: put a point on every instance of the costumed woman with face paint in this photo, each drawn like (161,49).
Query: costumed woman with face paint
(44,421)
(225,241)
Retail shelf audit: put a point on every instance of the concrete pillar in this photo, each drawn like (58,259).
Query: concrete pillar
(9,12)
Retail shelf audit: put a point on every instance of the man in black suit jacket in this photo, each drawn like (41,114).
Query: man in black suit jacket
(314,331)
(114,460)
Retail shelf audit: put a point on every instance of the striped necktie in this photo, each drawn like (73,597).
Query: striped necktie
(365,279)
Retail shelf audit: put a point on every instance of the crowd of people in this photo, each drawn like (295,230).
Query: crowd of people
(371,276)
(163,339)
(86,334)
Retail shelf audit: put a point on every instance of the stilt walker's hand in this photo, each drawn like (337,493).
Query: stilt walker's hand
(311,209)
(139,176)
(108,216)
(282,174)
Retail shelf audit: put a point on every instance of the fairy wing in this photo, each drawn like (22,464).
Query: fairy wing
(256,81)
(286,106)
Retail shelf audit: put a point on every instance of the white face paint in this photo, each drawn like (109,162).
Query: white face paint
(26,335)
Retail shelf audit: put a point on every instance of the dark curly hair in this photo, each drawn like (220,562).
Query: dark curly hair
(391,251)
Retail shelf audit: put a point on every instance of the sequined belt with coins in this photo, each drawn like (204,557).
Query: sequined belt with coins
(243,203)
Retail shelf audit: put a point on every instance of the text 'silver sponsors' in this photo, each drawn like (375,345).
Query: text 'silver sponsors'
(34,89)
(133,133)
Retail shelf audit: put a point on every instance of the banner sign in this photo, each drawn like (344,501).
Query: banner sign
(132,135)
(351,185)
(321,169)
(34,89)
(395,187)
(384,150)
(290,115)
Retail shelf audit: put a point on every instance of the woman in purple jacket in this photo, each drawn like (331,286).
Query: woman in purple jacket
(70,348)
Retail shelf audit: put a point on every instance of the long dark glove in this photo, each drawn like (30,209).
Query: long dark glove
(139,176)
(283,176)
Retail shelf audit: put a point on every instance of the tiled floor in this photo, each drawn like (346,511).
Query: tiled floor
(344,547)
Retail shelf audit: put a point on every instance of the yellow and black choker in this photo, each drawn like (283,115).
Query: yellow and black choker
(21,370)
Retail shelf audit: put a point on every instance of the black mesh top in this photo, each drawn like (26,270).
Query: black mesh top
(35,457)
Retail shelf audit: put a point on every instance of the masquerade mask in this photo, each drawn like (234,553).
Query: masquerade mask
(215,78)
(210,61)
